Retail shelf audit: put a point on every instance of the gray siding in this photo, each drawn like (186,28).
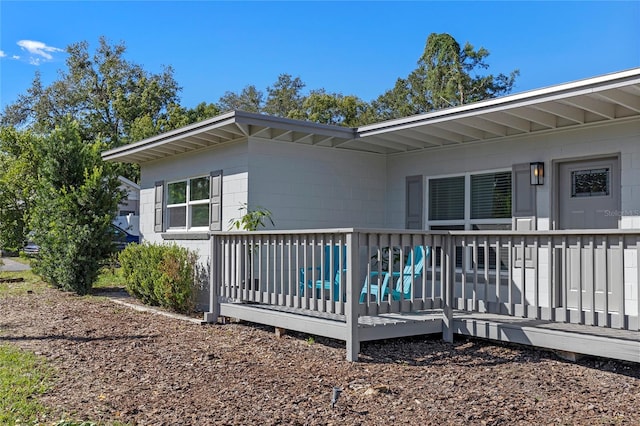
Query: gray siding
(310,187)
(623,138)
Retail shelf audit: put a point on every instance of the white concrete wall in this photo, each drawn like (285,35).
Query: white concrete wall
(231,159)
(623,139)
(308,187)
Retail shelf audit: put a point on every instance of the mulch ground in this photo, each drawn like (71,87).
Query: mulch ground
(114,364)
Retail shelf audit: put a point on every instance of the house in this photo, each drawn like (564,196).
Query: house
(529,204)
(128,217)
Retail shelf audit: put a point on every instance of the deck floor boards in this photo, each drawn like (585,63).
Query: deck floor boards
(364,321)
(585,339)
(613,333)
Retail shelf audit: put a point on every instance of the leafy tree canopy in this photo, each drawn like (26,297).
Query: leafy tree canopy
(447,75)
(284,98)
(249,100)
(111,98)
(119,102)
(104,92)
(20,160)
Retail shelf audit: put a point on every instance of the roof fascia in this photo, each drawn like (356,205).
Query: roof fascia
(126,181)
(210,124)
(233,117)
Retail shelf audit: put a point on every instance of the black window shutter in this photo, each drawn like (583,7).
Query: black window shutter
(215,203)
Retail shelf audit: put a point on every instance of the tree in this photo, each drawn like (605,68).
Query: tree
(249,100)
(446,76)
(284,98)
(19,165)
(202,111)
(394,103)
(105,93)
(334,108)
(145,126)
(76,200)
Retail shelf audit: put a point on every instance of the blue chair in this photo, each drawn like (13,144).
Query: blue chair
(325,274)
(402,289)
(335,282)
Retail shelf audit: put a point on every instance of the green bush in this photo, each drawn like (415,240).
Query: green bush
(76,200)
(160,275)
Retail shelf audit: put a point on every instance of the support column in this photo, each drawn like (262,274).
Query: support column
(353,295)
(214,281)
(448,275)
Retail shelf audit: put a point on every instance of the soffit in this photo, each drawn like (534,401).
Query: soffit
(230,127)
(603,99)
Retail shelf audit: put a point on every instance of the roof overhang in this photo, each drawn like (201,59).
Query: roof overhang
(598,100)
(226,128)
(601,99)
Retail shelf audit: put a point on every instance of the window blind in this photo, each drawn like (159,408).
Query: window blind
(491,196)
(446,198)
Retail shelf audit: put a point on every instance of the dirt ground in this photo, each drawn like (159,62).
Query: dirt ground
(115,364)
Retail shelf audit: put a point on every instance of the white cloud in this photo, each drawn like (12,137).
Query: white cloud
(2,54)
(16,57)
(40,51)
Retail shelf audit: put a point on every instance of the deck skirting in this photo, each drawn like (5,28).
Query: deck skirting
(588,340)
(581,339)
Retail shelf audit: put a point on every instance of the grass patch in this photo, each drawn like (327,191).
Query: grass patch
(31,283)
(23,376)
(110,278)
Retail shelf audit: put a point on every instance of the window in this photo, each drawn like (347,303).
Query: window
(194,203)
(188,203)
(471,202)
(590,183)
(491,196)
(446,198)
(468,199)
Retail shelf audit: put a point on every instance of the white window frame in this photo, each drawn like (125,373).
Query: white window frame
(467,222)
(188,204)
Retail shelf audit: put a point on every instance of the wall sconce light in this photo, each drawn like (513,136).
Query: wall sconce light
(537,173)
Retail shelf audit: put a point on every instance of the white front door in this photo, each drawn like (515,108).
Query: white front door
(589,198)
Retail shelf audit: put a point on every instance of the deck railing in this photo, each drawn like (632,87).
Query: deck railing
(567,276)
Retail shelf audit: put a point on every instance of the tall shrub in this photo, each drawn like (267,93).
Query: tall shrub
(76,200)
(160,275)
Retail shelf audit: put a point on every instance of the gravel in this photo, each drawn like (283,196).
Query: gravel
(116,364)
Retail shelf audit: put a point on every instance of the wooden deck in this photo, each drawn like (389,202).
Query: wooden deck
(334,325)
(572,291)
(574,338)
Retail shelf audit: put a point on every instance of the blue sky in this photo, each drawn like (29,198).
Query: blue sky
(354,48)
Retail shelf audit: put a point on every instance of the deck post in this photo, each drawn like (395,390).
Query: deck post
(214,271)
(448,275)
(353,296)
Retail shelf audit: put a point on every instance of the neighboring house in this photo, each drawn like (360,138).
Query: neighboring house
(468,168)
(128,217)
